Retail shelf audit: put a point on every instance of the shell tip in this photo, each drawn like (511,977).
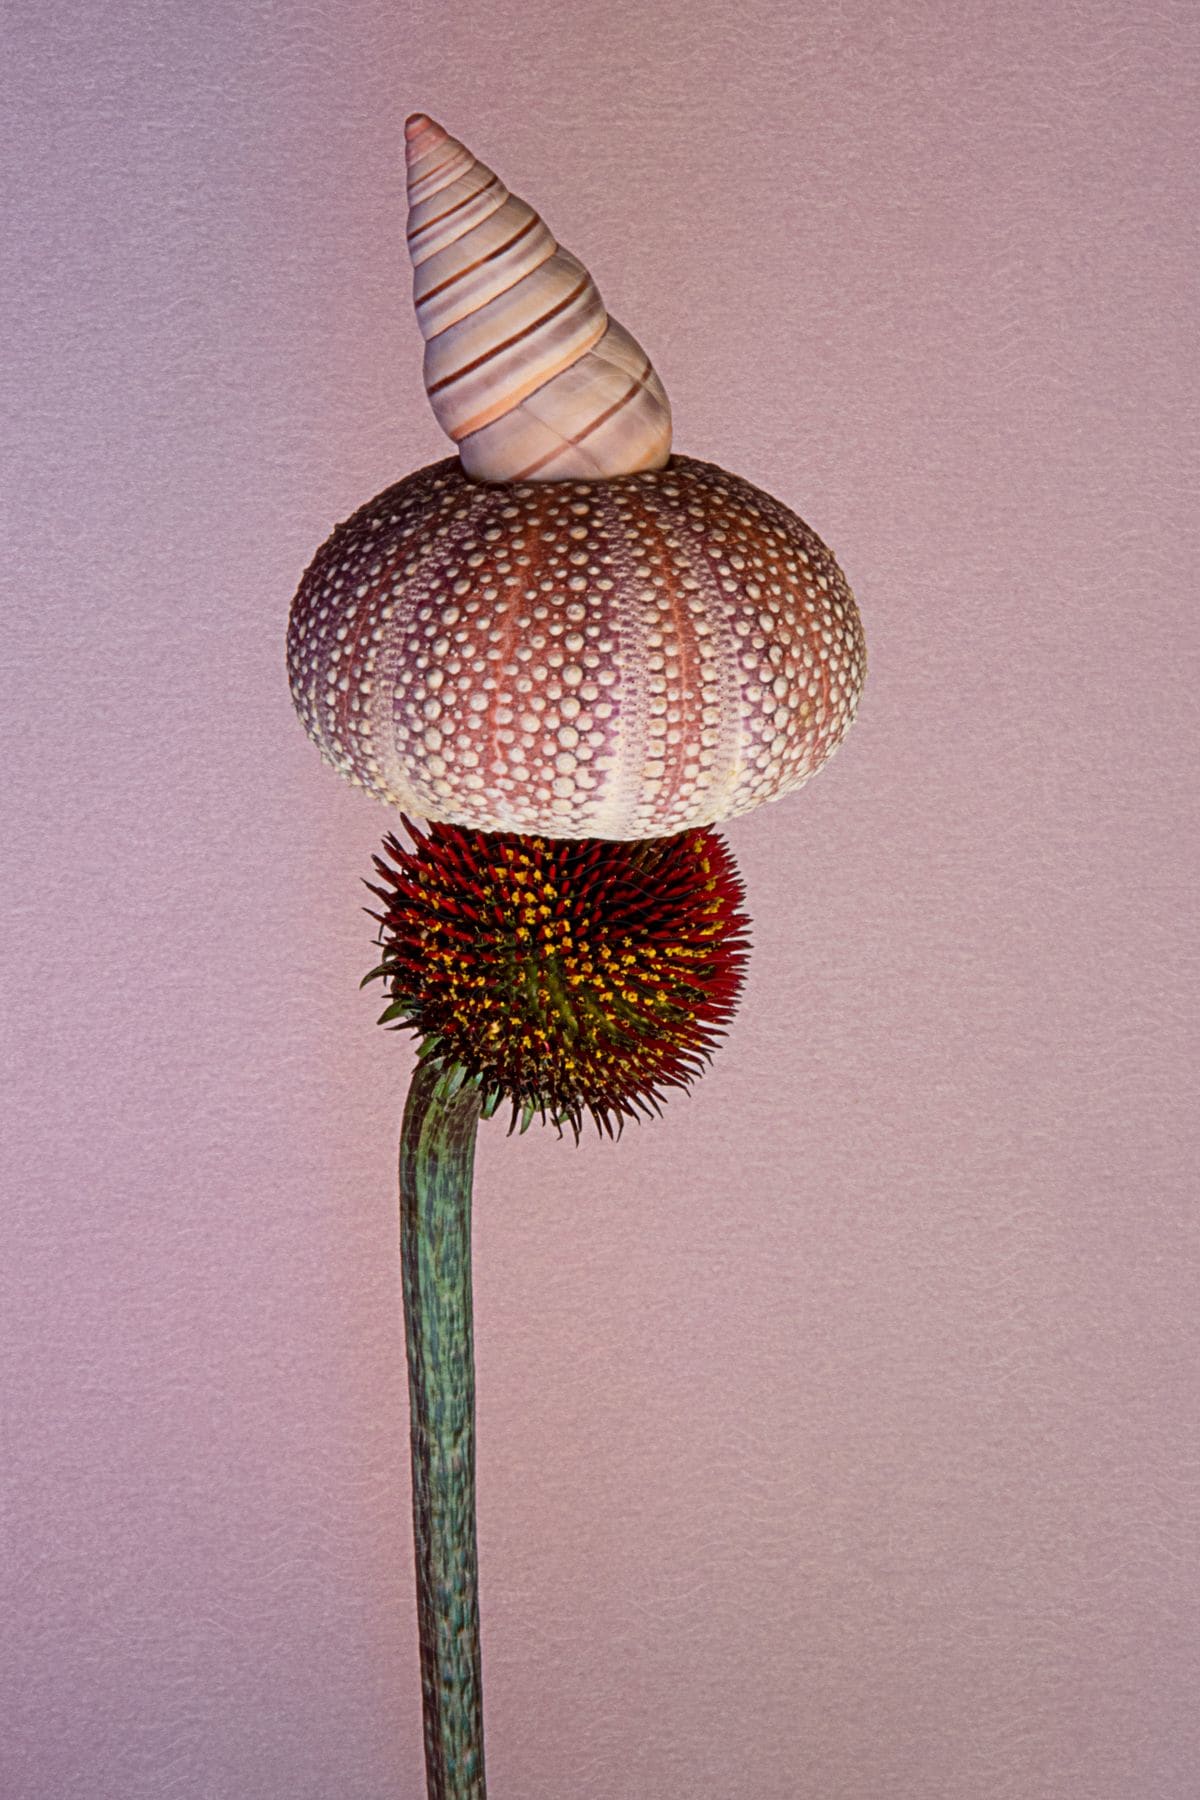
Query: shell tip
(416,123)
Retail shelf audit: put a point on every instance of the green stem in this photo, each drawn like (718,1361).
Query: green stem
(437,1155)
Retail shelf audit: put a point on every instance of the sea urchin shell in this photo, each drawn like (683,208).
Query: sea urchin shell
(565,976)
(619,659)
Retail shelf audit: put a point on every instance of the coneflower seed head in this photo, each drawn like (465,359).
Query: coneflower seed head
(567,976)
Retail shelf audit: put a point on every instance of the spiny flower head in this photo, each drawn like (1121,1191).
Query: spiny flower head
(564,975)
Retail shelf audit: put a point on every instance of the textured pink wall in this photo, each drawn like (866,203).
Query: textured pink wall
(839,1433)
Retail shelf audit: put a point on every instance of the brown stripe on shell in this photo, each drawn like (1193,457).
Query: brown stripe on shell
(636,386)
(424,187)
(516,338)
(428,224)
(530,224)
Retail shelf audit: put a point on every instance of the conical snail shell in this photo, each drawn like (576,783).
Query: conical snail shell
(523,366)
(617,659)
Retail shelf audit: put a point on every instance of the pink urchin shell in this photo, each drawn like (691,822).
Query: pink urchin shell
(618,659)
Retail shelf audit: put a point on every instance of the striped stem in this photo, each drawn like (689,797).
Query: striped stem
(437,1156)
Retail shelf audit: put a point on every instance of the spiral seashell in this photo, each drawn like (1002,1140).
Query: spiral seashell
(523,366)
(617,659)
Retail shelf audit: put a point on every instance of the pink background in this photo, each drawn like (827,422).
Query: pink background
(838,1434)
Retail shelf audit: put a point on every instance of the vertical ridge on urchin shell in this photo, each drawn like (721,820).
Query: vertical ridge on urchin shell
(524,368)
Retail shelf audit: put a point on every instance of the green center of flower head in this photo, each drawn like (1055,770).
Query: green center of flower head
(562,975)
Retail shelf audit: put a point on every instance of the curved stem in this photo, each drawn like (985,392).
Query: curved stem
(437,1156)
